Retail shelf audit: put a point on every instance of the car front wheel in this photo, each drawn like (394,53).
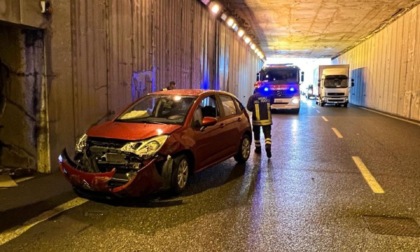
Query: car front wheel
(180,174)
(244,150)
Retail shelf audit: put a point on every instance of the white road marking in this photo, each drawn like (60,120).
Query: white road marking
(13,233)
(337,133)
(325,119)
(374,185)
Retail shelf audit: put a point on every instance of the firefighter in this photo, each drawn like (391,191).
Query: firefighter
(259,105)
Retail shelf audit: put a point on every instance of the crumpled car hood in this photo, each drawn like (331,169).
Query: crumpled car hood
(130,131)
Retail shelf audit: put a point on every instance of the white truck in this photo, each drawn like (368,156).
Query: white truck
(333,84)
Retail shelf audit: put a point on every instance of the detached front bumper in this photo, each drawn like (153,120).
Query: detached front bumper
(146,181)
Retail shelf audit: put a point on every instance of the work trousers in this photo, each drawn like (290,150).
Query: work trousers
(257,135)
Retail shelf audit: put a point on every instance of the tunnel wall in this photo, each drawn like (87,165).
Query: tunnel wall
(385,68)
(124,49)
(99,55)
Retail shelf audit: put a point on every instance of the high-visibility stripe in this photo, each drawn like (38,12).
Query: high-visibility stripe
(257,112)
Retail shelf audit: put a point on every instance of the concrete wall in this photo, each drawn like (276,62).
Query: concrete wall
(21,61)
(386,67)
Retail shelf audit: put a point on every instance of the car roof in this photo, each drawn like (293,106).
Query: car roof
(194,92)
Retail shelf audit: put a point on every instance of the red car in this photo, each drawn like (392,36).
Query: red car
(158,141)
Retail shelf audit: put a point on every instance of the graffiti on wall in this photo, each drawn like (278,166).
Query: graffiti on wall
(141,84)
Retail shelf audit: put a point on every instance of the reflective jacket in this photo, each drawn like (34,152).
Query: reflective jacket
(259,105)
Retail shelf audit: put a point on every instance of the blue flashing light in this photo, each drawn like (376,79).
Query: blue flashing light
(266,89)
(292,89)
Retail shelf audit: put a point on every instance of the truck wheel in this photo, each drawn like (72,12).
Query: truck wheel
(322,104)
(345,104)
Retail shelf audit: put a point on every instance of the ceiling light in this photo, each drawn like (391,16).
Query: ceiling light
(241,33)
(230,21)
(215,8)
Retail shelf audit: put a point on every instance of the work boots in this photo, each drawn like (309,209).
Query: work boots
(257,150)
(268,150)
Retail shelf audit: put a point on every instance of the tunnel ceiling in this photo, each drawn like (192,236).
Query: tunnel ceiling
(313,28)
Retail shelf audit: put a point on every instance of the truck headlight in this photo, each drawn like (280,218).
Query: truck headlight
(146,148)
(81,143)
(295,100)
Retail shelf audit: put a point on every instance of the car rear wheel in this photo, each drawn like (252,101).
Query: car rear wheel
(180,172)
(244,150)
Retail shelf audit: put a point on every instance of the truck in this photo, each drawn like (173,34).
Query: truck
(282,83)
(333,84)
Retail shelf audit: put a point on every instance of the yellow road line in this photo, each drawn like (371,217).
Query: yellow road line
(337,133)
(11,234)
(374,185)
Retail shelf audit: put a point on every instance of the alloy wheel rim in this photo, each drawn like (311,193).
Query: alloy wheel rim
(246,148)
(183,173)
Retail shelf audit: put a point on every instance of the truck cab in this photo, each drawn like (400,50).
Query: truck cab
(333,85)
(282,82)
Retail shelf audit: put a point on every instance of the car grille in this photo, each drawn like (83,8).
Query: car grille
(332,94)
(107,143)
(283,94)
(106,154)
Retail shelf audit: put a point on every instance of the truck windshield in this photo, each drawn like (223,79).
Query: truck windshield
(283,75)
(336,83)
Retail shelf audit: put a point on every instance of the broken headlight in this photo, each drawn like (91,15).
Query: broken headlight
(147,148)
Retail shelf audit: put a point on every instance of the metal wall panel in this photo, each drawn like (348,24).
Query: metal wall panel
(386,68)
(124,49)
(90,61)
(238,64)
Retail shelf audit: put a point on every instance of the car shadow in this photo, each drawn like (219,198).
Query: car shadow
(213,177)
(199,182)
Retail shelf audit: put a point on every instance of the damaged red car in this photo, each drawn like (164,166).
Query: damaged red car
(158,142)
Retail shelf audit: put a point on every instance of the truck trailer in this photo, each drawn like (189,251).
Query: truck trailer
(333,84)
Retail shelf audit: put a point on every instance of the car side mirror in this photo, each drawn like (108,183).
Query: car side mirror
(208,121)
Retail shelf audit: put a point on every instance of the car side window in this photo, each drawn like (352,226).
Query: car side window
(209,107)
(229,106)
(198,117)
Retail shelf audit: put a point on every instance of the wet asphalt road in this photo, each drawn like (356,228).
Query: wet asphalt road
(311,196)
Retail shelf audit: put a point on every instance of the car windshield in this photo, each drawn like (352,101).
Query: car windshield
(282,75)
(336,82)
(167,109)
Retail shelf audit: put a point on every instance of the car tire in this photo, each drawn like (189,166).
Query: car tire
(244,149)
(180,173)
